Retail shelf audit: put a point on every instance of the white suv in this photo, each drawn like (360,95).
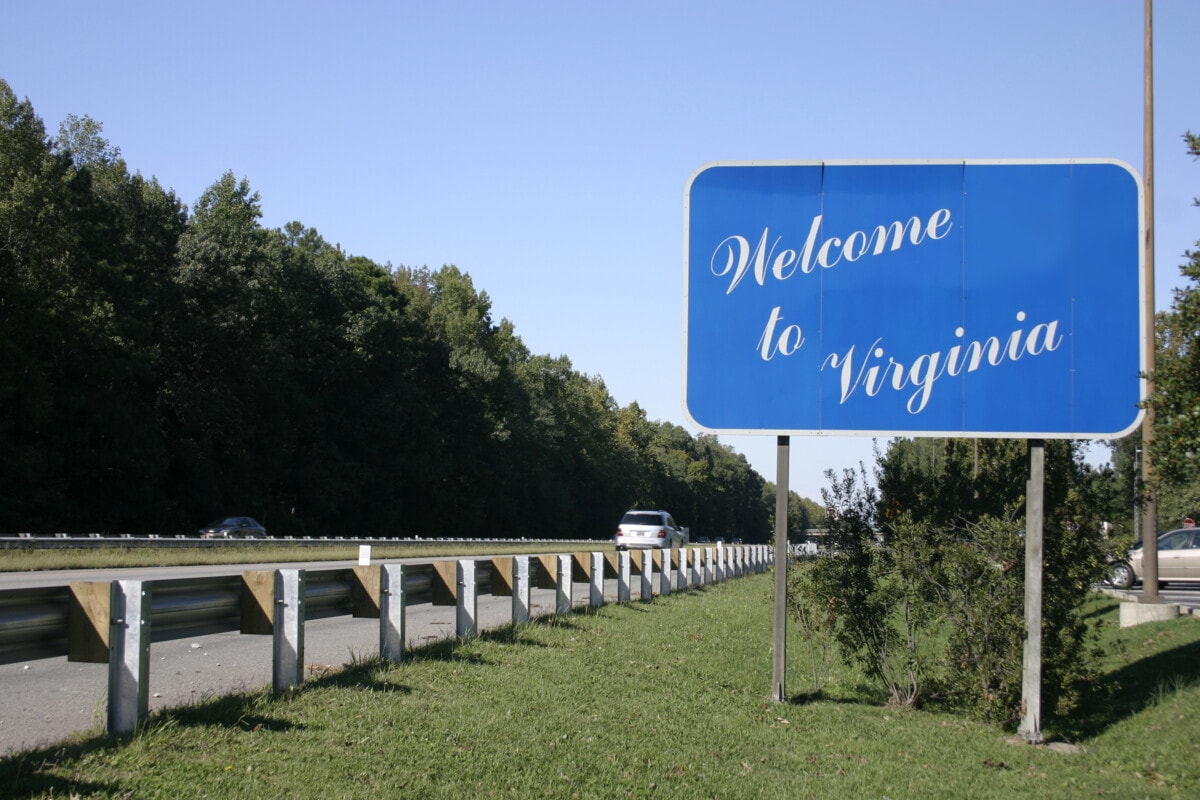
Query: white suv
(645,529)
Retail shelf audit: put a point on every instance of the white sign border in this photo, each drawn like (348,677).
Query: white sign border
(1076,435)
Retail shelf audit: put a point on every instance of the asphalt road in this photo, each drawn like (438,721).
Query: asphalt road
(42,701)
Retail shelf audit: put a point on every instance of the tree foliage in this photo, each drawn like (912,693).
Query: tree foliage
(160,367)
(1175,449)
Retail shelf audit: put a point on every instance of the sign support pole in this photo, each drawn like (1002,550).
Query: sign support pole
(1031,671)
(1149,511)
(779,663)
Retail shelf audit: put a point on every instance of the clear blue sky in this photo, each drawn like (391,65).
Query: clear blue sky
(544,147)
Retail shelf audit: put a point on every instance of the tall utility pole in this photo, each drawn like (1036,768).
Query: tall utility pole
(1149,500)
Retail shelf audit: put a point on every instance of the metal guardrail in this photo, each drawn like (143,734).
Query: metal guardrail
(117,621)
(34,623)
(96,540)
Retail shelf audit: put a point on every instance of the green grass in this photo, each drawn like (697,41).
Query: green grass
(31,559)
(663,699)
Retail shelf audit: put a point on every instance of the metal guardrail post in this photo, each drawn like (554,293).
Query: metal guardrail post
(596,580)
(647,574)
(287,666)
(624,571)
(563,594)
(391,612)
(129,655)
(521,585)
(467,616)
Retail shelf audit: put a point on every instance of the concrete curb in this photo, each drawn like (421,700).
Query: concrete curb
(1130,597)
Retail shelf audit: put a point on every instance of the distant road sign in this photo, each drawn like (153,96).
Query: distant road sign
(939,298)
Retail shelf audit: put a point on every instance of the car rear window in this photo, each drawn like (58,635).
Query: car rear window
(641,519)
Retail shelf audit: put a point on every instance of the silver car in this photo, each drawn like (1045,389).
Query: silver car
(646,529)
(1178,560)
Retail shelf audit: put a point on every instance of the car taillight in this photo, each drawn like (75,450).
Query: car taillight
(662,533)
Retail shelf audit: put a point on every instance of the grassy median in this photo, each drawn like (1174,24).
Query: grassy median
(27,559)
(660,699)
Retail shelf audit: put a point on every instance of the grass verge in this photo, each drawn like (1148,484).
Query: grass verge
(32,559)
(661,699)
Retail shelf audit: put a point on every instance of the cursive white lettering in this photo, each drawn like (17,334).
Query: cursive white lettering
(733,256)
(872,372)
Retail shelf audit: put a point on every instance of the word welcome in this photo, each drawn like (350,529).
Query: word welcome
(733,256)
(872,373)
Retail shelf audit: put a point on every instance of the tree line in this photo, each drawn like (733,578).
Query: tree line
(162,365)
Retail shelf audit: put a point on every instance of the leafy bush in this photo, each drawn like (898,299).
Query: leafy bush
(933,609)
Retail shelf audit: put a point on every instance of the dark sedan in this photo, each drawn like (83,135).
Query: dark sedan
(233,528)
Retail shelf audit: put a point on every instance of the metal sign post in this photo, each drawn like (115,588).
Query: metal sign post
(779,660)
(1031,667)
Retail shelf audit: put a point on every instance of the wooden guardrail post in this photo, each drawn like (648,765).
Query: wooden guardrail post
(129,655)
(623,576)
(87,622)
(466,619)
(596,580)
(647,574)
(521,585)
(709,573)
(547,577)
(581,566)
(682,580)
(258,602)
(365,593)
(392,598)
(563,596)
(502,577)
(612,564)
(287,665)
(444,583)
